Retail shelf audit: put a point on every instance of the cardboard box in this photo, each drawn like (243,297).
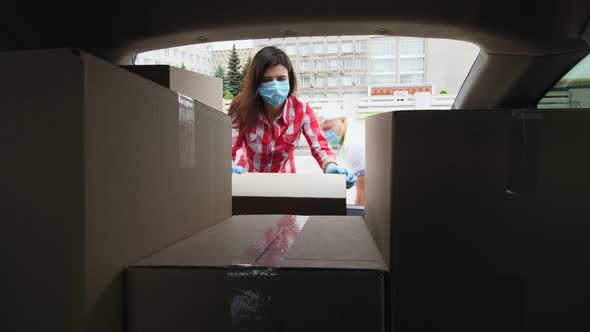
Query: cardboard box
(282,193)
(543,246)
(263,273)
(482,217)
(104,168)
(204,88)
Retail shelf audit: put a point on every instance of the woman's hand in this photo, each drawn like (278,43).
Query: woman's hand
(237,170)
(350,177)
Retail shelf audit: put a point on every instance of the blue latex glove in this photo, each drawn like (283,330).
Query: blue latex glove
(237,170)
(350,177)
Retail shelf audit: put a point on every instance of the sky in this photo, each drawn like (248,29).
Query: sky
(227,45)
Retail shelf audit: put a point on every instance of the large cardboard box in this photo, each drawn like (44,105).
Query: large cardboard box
(283,193)
(204,88)
(101,168)
(263,273)
(482,217)
(542,252)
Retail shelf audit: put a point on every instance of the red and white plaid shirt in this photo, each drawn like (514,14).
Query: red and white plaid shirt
(259,151)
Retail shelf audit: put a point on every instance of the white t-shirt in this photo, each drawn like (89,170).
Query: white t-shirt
(353,147)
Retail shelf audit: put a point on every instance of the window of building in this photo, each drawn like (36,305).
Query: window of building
(332,81)
(411,78)
(192,57)
(411,65)
(176,52)
(318,48)
(319,81)
(347,63)
(413,47)
(346,80)
(361,80)
(304,65)
(304,49)
(183,55)
(360,46)
(305,81)
(319,64)
(291,49)
(382,79)
(382,47)
(332,48)
(383,65)
(361,63)
(167,51)
(333,64)
(347,47)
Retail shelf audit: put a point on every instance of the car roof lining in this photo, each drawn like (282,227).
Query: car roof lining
(545,36)
(117,30)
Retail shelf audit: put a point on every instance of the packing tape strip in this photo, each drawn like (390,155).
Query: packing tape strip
(186,132)
(251,289)
(250,292)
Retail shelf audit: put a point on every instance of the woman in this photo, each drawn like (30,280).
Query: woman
(268,120)
(349,136)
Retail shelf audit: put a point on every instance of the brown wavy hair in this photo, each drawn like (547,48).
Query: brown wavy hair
(246,107)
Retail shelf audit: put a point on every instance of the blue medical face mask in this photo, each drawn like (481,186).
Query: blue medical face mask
(332,137)
(274,92)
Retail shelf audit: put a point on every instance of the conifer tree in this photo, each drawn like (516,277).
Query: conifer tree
(234,76)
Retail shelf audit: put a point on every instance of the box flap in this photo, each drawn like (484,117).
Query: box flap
(334,238)
(220,245)
(276,241)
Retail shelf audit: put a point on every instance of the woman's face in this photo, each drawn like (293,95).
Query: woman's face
(278,73)
(339,126)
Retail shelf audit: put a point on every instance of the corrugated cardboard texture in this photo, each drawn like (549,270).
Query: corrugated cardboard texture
(183,300)
(544,252)
(488,218)
(379,161)
(279,193)
(204,88)
(330,277)
(100,186)
(43,272)
(441,165)
(446,173)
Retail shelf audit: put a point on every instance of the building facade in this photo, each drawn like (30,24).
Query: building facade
(333,66)
(221,57)
(336,65)
(197,58)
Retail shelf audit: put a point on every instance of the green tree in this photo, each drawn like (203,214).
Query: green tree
(234,76)
(245,68)
(183,66)
(220,73)
(228,95)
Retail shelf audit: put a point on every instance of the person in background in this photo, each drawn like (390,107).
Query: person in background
(268,120)
(349,137)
